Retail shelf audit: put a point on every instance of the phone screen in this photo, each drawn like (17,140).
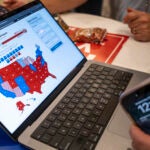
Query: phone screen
(137,104)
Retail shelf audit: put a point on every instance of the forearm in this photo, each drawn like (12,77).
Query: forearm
(58,6)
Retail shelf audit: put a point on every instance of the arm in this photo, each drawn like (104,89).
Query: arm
(13,4)
(58,6)
(140,140)
(139,23)
(54,6)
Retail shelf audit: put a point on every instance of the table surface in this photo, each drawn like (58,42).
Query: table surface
(133,55)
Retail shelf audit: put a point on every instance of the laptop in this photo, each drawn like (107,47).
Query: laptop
(51,97)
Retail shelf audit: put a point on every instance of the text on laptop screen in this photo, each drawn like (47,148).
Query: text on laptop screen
(35,56)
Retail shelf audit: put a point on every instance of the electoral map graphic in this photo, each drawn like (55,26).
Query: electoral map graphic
(25,75)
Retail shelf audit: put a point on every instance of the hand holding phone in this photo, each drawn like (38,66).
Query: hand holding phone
(136,102)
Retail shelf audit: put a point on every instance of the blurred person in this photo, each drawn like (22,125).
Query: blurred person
(59,6)
(140,140)
(119,7)
(53,5)
(135,13)
(139,24)
(91,7)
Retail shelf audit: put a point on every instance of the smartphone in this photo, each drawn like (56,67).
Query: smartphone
(136,102)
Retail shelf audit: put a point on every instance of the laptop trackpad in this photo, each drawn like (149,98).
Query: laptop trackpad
(120,123)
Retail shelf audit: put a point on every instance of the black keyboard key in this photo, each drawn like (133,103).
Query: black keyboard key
(51,117)
(85,99)
(100,106)
(77,143)
(90,106)
(88,146)
(98,129)
(84,132)
(52,131)
(97,112)
(66,111)
(56,111)
(93,137)
(72,117)
(68,123)
(57,124)
(63,131)
(65,143)
(56,140)
(62,117)
(46,138)
(38,133)
(77,125)
(81,105)
(89,125)
(82,118)
(86,112)
(93,118)
(77,111)
(73,132)
(71,105)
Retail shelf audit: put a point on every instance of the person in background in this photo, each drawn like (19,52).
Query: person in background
(135,13)
(55,6)
(59,6)
(140,140)
(139,24)
(93,7)
(119,7)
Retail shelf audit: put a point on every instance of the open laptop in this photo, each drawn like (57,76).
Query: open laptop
(39,65)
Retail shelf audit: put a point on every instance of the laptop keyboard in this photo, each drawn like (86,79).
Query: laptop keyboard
(79,119)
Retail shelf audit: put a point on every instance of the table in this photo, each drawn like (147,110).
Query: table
(133,55)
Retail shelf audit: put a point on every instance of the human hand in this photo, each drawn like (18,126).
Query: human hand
(139,23)
(140,140)
(13,4)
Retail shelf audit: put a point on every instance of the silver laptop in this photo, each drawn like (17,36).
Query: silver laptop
(51,97)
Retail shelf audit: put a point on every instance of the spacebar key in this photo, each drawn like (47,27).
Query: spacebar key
(77,143)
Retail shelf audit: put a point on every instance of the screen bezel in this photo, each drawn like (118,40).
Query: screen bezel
(37,112)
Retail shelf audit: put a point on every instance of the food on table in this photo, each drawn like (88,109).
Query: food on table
(89,35)
(61,22)
(86,35)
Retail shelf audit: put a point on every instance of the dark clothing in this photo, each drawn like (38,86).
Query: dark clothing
(91,7)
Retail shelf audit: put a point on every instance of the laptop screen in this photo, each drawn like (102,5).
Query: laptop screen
(35,57)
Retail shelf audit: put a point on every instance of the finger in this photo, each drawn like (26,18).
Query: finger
(143,29)
(140,21)
(131,16)
(137,134)
(129,9)
(142,38)
(134,25)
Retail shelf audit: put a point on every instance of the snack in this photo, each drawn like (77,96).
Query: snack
(61,22)
(86,35)
(89,35)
